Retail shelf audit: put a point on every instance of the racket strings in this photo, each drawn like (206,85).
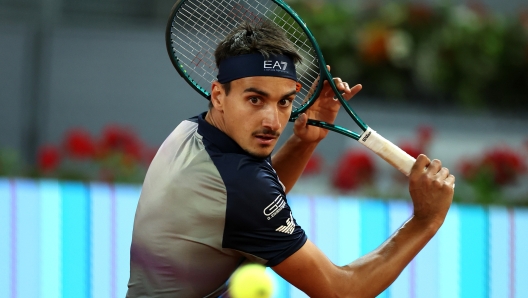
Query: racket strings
(241,13)
(199,18)
(194,42)
(252,17)
(309,69)
(199,25)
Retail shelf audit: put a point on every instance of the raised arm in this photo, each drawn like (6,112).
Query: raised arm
(291,159)
(431,189)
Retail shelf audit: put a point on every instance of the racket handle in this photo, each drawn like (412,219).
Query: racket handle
(391,153)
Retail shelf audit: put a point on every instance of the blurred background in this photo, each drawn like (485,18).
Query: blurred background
(87,95)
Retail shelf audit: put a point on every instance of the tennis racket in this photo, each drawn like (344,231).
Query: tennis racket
(196,27)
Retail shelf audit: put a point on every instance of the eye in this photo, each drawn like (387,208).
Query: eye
(285,102)
(254,100)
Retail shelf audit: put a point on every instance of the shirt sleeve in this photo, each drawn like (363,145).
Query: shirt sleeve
(259,221)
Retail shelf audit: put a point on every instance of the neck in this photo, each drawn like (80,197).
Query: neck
(212,118)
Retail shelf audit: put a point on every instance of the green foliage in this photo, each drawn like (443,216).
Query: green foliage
(10,163)
(457,55)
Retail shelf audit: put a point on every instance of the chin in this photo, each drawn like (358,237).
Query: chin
(259,154)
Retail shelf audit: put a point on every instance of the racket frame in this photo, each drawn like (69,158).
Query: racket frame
(172,54)
(369,138)
(323,72)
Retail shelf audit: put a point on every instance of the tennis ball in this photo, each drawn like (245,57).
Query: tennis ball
(250,281)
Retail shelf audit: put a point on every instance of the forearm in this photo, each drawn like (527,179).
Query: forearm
(374,272)
(291,159)
(431,188)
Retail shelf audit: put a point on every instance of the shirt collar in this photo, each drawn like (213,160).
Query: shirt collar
(218,137)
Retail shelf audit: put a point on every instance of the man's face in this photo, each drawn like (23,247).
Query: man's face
(256,111)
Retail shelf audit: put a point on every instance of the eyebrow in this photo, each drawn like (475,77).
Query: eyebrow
(266,94)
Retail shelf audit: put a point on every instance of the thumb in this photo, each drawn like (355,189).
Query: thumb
(301,121)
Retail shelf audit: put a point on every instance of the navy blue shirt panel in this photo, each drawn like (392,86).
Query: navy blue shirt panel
(258,219)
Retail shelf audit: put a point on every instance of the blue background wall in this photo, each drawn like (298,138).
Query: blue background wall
(69,239)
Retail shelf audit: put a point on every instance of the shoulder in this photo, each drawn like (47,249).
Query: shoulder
(247,175)
(251,185)
(259,221)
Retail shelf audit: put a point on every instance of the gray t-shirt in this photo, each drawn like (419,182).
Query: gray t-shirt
(205,207)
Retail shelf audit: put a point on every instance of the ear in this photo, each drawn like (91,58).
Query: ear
(217,96)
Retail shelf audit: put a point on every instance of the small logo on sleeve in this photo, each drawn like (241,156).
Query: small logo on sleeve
(275,207)
(289,227)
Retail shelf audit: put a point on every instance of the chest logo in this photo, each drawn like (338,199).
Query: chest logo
(289,227)
(275,207)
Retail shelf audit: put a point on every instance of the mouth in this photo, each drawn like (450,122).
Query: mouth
(265,139)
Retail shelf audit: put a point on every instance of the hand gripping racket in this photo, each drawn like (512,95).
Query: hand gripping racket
(196,27)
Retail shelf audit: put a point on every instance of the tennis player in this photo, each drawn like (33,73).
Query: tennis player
(214,197)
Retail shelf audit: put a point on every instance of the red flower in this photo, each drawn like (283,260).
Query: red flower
(120,139)
(355,169)
(502,163)
(505,163)
(79,144)
(48,158)
(111,136)
(134,149)
(314,165)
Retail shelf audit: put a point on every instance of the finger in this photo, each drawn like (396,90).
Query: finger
(346,86)
(441,176)
(329,93)
(342,86)
(353,91)
(422,162)
(434,167)
(301,121)
(450,180)
(449,183)
(338,82)
(443,173)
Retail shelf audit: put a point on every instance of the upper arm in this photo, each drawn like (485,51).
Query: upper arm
(311,271)
(258,220)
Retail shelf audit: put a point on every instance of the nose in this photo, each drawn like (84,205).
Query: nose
(271,118)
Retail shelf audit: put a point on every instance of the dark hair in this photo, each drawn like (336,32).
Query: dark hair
(263,37)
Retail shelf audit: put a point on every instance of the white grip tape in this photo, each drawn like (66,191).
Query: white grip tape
(391,153)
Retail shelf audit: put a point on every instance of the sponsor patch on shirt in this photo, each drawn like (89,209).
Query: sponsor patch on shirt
(289,227)
(275,207)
